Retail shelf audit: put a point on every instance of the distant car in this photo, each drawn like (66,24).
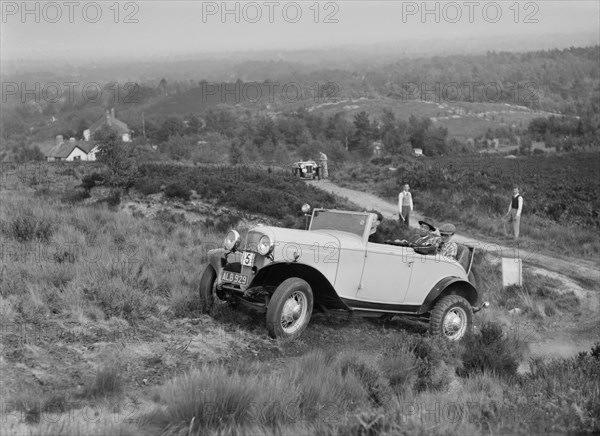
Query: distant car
(308,169)
(332,266)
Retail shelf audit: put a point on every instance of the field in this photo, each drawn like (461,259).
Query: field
(102,331)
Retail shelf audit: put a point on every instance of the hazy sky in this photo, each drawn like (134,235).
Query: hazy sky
(87,30)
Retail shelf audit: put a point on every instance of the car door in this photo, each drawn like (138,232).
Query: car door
(386,274)
(427,270)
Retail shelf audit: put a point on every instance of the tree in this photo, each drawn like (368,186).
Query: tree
(193,124)
(163,86)
(265,132)
(119,158)
(83,125)
(170,127)
(416,130)
(338,128)
(364,134)
(394,134)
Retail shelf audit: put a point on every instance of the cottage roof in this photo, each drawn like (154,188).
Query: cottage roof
(112,122)
(64,150)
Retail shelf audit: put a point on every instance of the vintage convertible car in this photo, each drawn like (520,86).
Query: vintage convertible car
(332,266)
(306,170)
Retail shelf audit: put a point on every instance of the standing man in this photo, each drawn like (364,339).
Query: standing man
(323,161)
(514,212)
(405,205)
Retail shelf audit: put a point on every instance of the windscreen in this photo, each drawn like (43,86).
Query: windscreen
(344,222)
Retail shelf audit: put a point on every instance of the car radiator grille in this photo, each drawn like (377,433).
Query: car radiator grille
(252,241)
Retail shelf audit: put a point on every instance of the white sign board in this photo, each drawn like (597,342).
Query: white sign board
(512,271)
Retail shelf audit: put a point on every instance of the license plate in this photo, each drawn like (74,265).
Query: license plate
(248,258)
(237,279)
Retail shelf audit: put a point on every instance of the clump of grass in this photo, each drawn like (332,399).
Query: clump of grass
(491,350)
(399,365)
(25,226)
(419,362)
(371,377)
(106,383)
(211,396)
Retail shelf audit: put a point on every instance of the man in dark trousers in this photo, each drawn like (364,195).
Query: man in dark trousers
(514,212)
(405,205)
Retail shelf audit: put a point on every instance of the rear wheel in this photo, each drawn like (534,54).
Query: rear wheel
(289,309)
(452,318)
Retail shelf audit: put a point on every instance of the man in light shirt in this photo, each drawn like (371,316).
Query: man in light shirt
(514,211)
(405,205)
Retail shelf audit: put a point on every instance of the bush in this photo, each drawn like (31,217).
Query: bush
(72,197)
(433,353)
(177,190)
(114,198)
(92,180)
(491,350)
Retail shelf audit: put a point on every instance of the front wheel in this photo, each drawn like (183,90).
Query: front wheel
(206,289)
(452,317)
(289,309)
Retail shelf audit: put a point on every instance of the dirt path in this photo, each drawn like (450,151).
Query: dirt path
(584,269)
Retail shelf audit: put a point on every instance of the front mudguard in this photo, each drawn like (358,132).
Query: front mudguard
(219,257)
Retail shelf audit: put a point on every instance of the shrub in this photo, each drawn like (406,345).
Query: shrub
(90,181)
(491,349)
(433,354)
(114,198)
(177,190)
(72,197)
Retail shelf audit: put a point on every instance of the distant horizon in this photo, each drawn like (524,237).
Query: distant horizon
(192,55)
(139,30)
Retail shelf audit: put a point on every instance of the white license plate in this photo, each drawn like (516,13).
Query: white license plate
(236,279)
(248,258)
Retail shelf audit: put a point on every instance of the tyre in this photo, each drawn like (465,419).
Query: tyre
(289,309)
(210,297)
(206,289)
(452,317)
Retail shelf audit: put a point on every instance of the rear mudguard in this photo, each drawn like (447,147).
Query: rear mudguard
(457,286)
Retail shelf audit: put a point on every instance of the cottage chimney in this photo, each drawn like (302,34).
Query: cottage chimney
(112,112)
(59,139)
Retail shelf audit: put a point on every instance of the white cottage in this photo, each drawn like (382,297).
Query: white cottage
(71,150)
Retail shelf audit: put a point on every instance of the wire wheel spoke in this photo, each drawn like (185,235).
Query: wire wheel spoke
(294,311)
(455,323)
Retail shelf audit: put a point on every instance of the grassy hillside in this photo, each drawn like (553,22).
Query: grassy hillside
(102,334)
